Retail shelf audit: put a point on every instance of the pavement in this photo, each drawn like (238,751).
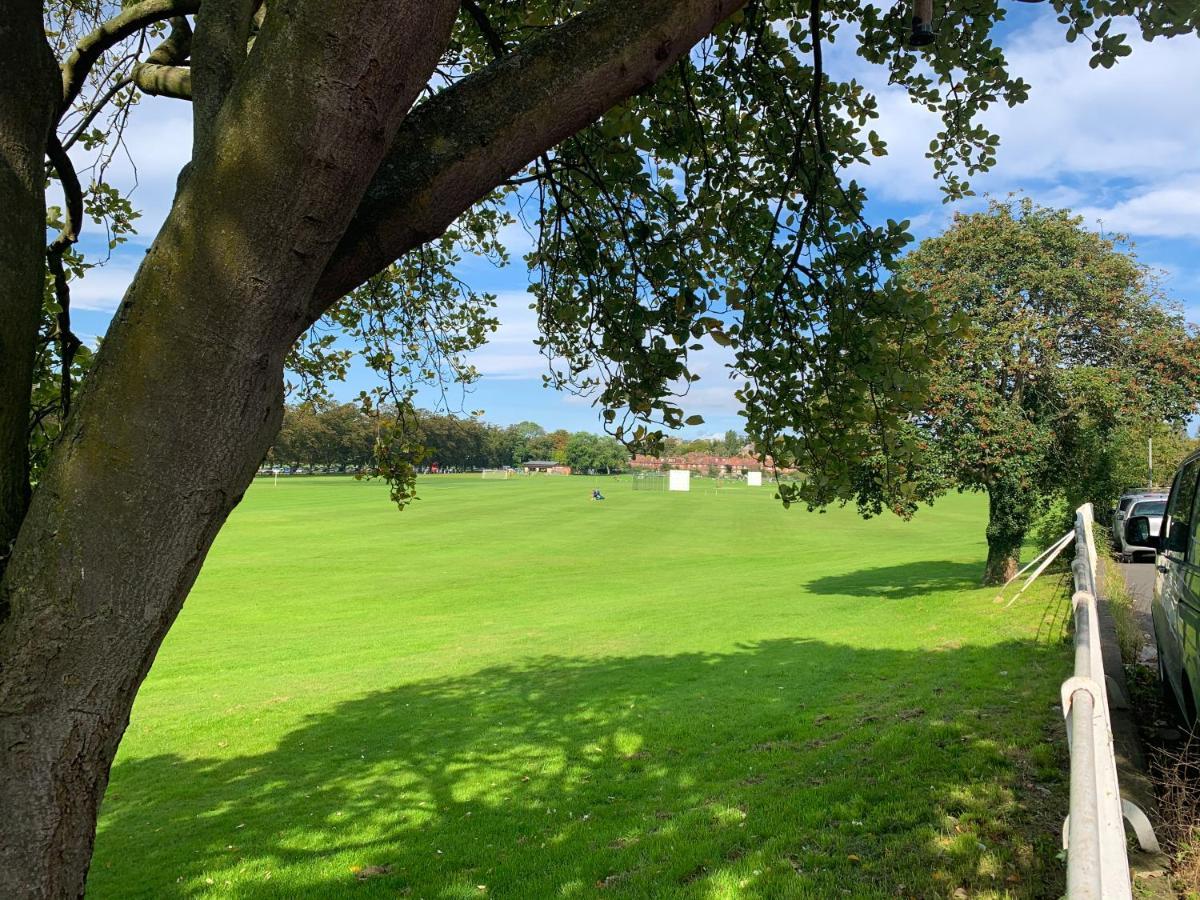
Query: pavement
(1139,577)
(1148,869)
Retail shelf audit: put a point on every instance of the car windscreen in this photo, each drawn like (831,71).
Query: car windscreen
(1150,508)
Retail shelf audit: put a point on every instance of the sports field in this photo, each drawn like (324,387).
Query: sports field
(511,691)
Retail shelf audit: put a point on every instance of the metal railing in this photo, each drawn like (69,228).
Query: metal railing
(1094,833)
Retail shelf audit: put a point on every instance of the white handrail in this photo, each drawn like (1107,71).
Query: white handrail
(1097,862)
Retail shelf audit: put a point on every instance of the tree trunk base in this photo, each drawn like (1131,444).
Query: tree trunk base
(1001,567)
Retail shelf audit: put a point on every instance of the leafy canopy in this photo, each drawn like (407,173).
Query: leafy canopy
(714,208)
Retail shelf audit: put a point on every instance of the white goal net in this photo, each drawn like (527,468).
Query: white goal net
(649,481)
(496,473)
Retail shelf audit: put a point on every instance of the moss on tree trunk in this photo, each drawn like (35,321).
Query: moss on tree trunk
(1008,521)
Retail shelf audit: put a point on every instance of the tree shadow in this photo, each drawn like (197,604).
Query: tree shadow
(913,579)
(783,768)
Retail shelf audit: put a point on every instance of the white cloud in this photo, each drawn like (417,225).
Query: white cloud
(516,238)
(102,288)
(1111,131)
(160,142)
(711,396)
(1170,209)
(510,352)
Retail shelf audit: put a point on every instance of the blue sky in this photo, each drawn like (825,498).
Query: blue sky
(1118,146)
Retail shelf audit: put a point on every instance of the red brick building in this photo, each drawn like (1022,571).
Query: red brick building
(702,463)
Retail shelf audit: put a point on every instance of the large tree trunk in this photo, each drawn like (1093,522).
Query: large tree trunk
(185,396)
(29,89)
(183,402)
(1008,521)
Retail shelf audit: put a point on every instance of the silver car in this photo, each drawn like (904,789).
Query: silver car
(1152,507)
(1120,512)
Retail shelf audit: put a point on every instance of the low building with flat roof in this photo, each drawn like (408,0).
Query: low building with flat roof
(546,466)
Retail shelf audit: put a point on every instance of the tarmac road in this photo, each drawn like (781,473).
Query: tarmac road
(1140,578)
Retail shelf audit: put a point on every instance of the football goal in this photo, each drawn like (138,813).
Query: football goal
(497,473)
(649,481)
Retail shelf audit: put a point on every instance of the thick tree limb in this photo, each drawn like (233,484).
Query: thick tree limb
(177,47)
(149,75)
(191,371)
(163,81)
(466,140)
(218,52)
(92,46)
(163,73)
(28,100)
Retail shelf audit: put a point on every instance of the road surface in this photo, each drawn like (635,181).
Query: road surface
(1140,578)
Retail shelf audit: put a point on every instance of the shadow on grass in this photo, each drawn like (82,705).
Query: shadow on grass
(784,768)
(900,582)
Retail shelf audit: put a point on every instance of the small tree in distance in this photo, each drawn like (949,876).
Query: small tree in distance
(593,453)
(1066,346)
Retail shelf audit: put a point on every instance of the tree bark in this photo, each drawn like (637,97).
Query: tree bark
(28,98)
(181,405)
(462,143)
(1008,522)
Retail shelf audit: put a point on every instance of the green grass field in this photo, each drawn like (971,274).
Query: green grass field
(510,691)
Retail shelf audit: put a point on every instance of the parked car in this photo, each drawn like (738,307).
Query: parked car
(1120,512)
(1152,506)
(1176,608)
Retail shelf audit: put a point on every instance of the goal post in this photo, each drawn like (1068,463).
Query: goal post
(496,473)
(649,481)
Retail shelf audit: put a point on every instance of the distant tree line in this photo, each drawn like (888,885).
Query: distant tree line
(732,443)
(341,437)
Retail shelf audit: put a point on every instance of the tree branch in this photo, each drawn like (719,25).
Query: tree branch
(92,46)
(177,47)
(29,89)
(484,24)
(163,81)
(162,74)
(459,145)
(72,193)
(68,343)
(98,105)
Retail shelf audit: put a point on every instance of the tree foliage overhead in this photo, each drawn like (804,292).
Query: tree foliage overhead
(714,207)
(1066,348)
